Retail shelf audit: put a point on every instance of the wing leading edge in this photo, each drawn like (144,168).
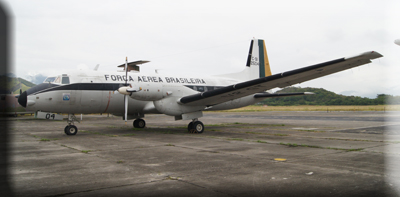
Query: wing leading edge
(280,80)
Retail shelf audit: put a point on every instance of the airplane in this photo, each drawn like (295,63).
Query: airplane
(133,94)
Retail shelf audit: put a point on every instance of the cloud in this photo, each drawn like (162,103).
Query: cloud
(207,37)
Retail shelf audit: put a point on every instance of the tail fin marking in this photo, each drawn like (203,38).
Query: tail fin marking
(265,69)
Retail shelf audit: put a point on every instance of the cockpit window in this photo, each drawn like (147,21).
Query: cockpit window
(57,80)
(49,79)
(65,80)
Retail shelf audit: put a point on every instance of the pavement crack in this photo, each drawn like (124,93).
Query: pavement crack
(112,187)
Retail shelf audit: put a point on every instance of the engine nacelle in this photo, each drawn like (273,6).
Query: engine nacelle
(147,92)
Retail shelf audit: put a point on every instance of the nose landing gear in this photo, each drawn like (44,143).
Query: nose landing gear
(71,129)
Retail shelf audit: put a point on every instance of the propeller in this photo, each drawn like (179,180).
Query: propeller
(123,90)
(127,90)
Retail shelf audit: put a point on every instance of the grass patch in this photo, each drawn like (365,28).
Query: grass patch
(63,145)
(85,151)
(278,134)
(260,141)
(136,129)
(236,139)
(45,140)
(313,131)
(119,162)
(169,145)
(313,146)
(288,144)
(348,150)
(353,140)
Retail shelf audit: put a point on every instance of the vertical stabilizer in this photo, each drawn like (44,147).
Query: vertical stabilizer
(257,65)
(258,58)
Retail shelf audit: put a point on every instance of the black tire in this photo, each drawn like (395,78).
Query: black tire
(139,123)
(65,129)
(198,127)
(72,130)
(190,126)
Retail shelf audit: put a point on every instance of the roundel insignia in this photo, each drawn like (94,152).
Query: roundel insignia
(66,96)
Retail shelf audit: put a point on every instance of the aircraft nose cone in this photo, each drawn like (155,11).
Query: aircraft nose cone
(22,99)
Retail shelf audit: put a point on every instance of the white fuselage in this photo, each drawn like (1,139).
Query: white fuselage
(96,92)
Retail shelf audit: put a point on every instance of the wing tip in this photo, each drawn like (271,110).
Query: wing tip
(367,55)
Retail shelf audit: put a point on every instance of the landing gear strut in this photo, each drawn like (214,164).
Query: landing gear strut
(195,126)
(139,123)
(71,129)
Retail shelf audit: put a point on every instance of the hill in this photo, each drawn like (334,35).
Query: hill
(27,83)
(12,84)
(325,97)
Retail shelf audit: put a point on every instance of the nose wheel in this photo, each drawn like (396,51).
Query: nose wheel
(71,129)
(195,126)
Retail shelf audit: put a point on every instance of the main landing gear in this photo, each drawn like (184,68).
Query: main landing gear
(139,123)
(71,129)
(195,126)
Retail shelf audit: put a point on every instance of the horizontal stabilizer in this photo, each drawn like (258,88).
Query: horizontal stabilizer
(134,65)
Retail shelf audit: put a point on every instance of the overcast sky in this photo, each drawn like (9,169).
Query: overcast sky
(209,37)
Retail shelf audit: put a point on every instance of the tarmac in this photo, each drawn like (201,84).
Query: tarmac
(239,154)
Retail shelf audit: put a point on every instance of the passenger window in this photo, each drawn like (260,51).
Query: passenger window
(65,80)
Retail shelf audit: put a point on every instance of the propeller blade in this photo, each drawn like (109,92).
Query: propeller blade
(126,108)
(126,71)
(126,95)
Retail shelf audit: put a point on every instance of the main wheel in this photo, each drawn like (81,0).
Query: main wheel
(139,123)
(65,129)
(71,130)
(198,127)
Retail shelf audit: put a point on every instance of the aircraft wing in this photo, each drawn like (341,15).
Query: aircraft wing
(280,80)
